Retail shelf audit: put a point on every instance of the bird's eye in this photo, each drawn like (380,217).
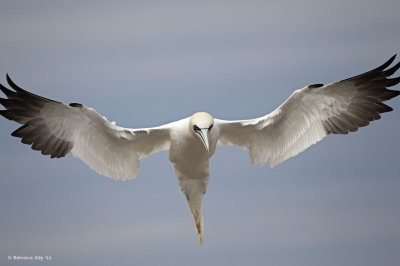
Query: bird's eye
(196,128)
(209,129)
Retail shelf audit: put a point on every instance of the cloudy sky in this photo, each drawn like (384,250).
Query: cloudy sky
(146,63)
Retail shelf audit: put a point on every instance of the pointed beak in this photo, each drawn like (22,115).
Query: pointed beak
(203,133)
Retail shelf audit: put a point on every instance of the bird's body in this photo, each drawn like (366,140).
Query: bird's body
(306,117)
(190,159)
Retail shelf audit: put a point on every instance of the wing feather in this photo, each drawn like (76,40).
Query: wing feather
(312,113)
(56,129)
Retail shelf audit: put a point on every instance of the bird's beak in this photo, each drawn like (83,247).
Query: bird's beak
(204,138)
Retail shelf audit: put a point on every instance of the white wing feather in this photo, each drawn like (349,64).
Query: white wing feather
(310,114)
(110,150)
(55,129)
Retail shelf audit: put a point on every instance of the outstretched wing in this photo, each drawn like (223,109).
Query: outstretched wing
(312,113)
(56,129)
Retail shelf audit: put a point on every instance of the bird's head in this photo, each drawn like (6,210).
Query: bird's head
(201,125)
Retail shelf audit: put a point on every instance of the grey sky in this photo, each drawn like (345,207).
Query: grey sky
(145,63)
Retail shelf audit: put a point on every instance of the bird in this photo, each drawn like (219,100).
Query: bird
(305,118)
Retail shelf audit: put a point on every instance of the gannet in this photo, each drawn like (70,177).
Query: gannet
(306,117)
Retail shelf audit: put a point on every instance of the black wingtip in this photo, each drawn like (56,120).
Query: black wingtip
(3,101)
(391,70)
(392,58)
(392,82)
(12,84)
(7,92)
(9,81)
(386,64)
(377,70)
(8,78)
(5,114)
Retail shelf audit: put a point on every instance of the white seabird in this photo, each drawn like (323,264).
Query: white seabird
(306,117)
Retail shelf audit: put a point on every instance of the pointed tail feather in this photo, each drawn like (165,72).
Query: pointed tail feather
(198,220)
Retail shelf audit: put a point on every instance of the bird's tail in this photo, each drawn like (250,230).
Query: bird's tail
(197,215)
(194,190)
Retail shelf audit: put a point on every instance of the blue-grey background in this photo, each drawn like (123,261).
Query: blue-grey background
(146,63)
